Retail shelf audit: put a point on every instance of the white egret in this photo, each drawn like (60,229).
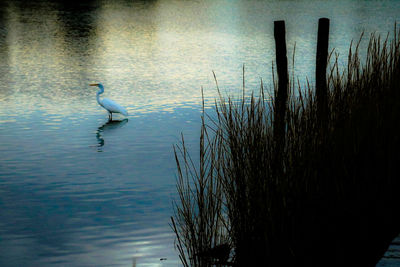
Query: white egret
(108,104)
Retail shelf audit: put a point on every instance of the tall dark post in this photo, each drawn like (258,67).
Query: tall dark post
(282,94)
(280,97)
(320,71)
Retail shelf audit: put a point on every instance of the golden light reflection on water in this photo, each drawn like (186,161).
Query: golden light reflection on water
(158,53)
(146,62)
(150,56)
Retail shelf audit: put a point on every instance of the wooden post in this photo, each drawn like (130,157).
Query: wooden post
(282,94)
(280,97)
(321,89)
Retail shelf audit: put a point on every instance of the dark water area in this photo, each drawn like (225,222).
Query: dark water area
(63,202)
(77,190)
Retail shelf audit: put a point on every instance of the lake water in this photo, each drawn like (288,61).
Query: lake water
(77,190)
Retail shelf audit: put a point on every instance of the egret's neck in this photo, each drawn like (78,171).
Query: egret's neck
(99,93)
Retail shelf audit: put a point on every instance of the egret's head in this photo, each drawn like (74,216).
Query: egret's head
(98,85)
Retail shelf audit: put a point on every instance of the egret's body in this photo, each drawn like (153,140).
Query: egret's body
(108,104)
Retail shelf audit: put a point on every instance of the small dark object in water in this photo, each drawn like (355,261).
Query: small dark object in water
(163,259)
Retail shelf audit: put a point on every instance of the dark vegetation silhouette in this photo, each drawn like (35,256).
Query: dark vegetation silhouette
(333,199)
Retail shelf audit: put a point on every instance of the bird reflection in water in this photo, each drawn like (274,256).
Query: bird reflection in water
(108,126)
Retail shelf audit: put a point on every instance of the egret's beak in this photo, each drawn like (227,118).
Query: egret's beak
(94,84)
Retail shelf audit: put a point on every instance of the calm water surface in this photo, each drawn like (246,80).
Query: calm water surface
(77,190)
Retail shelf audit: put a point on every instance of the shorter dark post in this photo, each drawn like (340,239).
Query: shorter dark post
(320,71)
(282,94)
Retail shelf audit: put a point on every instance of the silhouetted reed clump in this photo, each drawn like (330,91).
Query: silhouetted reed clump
(329,197)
